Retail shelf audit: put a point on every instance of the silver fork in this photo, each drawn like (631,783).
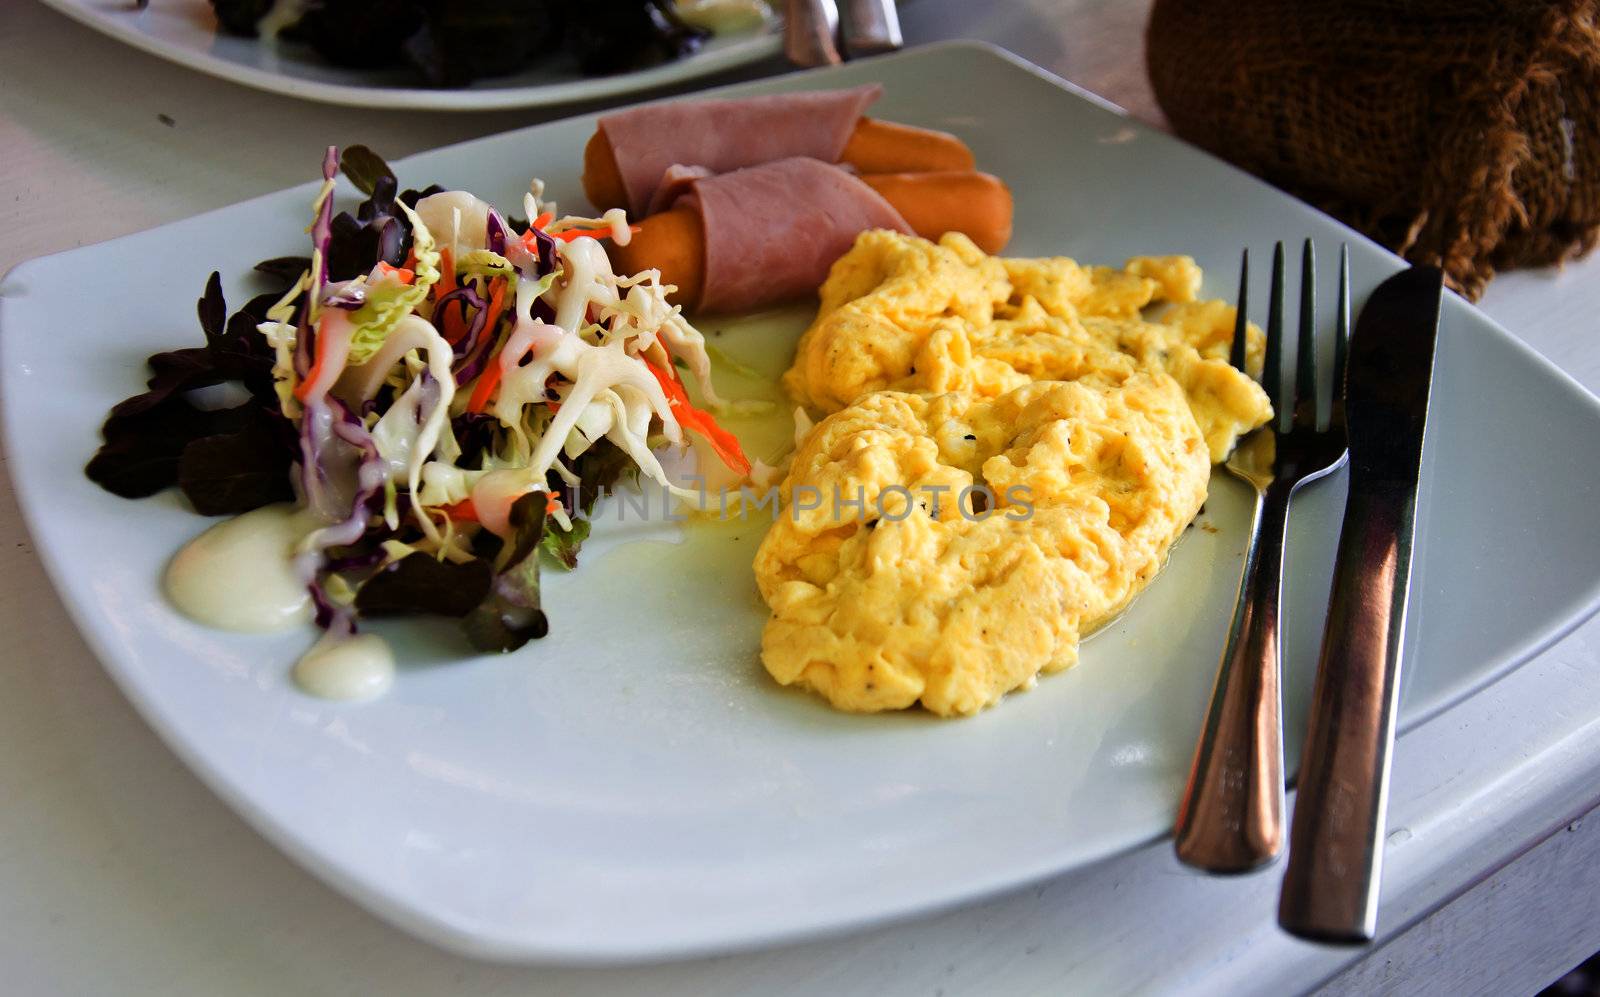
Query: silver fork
(1231,818)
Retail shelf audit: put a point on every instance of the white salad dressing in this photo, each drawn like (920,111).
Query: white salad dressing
(493,496)
(239,575)
(360,382)
(593,371)
(334,331)
(617,218)
(340,666)
(586,279)
(459,220)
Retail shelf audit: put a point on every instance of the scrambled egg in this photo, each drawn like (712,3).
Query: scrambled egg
(1014,447)
(905,314)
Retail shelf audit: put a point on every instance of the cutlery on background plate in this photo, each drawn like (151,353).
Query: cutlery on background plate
(1231,818)
(1330,888)
(809,27)
(870,27)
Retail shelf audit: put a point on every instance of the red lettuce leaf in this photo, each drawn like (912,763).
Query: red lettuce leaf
(146,435)
(229,473)
(598,468)
(286,269)
(421,583)
(510,616)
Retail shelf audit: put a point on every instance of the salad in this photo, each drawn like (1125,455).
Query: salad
(441,392)
(453,44)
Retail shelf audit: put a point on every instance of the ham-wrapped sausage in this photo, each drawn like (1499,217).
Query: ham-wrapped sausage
(745,203)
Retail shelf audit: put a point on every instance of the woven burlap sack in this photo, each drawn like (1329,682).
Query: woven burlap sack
(1463,133)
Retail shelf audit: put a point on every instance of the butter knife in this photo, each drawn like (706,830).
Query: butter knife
(809,27)
(870,27)
(1330,888)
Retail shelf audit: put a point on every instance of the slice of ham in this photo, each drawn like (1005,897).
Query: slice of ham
(723,135)
(772,231)
(675,182)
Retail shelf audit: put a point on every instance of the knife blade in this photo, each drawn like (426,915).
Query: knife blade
(1330,888)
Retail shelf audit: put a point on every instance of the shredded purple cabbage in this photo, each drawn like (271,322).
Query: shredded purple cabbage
(473,365)
(495,234)
(429,395)
(501,239)
(547,252)
(330,615)
(331,473)
(366,486)
(474,351)
(465,295)
(364,561)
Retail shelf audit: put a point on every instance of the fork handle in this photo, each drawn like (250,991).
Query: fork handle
(1231,818)
(1330,888)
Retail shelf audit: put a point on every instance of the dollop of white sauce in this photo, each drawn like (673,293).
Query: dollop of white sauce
(348,667)
(239,575)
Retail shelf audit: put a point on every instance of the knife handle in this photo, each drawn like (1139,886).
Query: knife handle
(1231,817)
(1330,888)
(809,27)
(871,27)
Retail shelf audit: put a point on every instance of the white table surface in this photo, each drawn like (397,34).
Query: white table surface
(120,873)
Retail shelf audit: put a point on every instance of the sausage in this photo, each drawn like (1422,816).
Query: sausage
(602,181)
(873,147)
(886,147)
(976,204)
(673,242)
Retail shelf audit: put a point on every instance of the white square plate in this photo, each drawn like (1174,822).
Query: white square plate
(634,786)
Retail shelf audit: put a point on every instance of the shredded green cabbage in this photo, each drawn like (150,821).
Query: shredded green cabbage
(485,263)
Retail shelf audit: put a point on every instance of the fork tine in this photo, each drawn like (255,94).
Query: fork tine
(1241,324)
(1305,388)
(1341,332)
(1272,366)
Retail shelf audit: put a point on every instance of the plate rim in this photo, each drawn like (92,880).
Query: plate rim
(485,940)
(756,46)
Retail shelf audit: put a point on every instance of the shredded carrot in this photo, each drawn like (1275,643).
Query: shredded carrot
(724,443)
(544,219)
(450,322)
(598,233)
(303,389)
(463,511)
(447,273)
(405,275)
(490,378)
(411,260)
(552,505)
(484,389)
(497,298)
